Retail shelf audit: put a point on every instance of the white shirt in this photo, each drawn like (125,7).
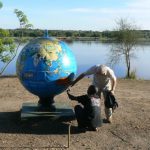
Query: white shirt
(103,82)
(95,101)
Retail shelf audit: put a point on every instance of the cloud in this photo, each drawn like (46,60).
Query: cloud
(81,10)
(7,9)
(139,4)
(129,6)
(137,11)
(131,9)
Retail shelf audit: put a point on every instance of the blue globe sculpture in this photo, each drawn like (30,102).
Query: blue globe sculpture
(45,67)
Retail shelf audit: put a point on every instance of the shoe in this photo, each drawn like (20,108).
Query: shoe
(109,120)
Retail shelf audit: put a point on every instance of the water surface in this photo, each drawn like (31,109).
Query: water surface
(89,53)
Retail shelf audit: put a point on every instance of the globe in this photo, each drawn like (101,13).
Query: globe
(45,67)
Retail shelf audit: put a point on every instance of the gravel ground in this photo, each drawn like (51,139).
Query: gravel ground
(130,128)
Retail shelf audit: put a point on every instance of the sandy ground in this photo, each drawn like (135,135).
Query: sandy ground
(130,128)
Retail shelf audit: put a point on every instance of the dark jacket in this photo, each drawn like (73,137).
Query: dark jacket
(91,111)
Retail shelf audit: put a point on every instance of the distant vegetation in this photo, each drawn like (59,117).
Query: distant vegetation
(77,35)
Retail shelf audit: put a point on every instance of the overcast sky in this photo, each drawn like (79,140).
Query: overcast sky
(96,15)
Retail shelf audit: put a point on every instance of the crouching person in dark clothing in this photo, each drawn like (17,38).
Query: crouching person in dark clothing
(88,114)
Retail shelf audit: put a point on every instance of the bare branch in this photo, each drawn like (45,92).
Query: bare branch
(127,39)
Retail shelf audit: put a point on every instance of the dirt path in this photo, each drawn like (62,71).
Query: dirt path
(130,128)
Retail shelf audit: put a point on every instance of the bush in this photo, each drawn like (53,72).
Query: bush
(132,75)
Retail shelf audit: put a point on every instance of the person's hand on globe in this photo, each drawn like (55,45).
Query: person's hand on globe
(65,81)
(71,83)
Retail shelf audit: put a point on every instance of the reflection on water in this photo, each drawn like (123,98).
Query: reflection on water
(89,53)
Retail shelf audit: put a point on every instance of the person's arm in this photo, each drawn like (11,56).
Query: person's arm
(81,76)
(113,79)
(81,99)
(90,71)
(71,96)
(114,82)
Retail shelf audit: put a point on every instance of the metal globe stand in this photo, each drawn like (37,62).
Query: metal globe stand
(46,104)
(31,111)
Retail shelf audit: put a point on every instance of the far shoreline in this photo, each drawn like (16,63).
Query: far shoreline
(71,39)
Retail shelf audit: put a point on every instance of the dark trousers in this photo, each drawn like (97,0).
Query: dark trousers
(80,116)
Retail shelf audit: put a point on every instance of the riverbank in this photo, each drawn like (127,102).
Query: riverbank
(71,39)
(130,128)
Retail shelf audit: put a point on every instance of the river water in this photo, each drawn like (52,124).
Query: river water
(89,53)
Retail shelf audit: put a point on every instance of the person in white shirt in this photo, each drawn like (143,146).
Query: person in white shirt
(104,79)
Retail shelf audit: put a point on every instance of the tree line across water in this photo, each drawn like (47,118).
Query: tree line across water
(76,35)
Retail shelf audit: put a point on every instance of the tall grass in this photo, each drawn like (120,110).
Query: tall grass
(132,75)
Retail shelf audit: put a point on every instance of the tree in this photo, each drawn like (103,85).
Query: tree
(6,46)
(126,36)
(1,4)
(23,21)
(8,49)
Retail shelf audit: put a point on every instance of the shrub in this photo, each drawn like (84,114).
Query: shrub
(132,75)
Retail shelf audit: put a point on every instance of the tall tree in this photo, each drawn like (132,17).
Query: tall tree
(23,21)
(8,49)
(127,38)
(1,4)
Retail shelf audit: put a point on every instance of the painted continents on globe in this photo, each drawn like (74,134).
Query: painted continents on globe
(46,66)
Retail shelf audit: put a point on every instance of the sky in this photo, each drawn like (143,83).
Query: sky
(95,15)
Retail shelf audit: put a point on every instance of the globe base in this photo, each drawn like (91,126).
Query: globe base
(31,112)
(46,104)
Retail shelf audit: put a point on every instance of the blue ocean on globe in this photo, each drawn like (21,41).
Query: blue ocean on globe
(46,66)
